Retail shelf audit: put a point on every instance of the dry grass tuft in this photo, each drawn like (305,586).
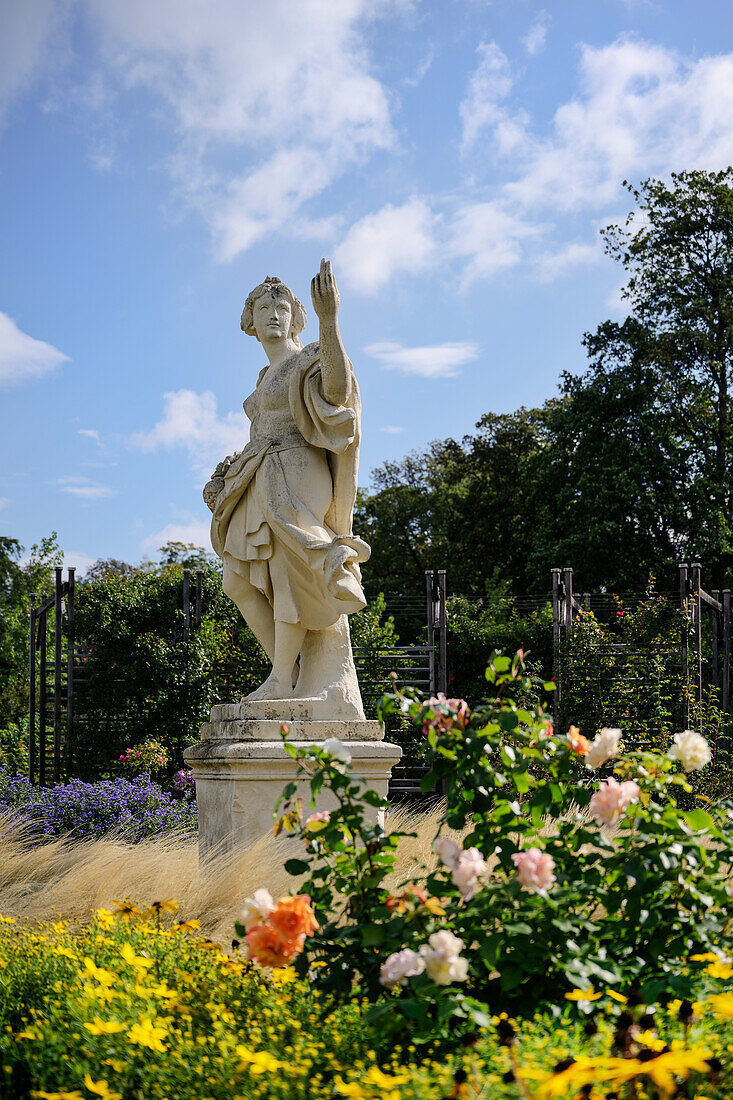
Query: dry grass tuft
(68,880)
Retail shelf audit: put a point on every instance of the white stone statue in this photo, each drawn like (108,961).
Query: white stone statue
(282,507)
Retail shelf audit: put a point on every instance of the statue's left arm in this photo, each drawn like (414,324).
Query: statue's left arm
(335,365)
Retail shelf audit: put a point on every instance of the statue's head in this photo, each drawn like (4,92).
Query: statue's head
(282,296)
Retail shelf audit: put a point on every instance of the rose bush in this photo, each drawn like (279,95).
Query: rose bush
(566,876)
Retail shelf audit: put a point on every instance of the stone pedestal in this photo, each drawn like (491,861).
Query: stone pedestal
(240,765)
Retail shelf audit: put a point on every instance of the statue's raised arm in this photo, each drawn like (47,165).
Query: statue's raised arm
(283,507)
(335,366)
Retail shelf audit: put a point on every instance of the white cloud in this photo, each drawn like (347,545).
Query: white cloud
(23,357)
(84,488)
(553,265)
(29,29)
(489,86)
(435,361)
(191,420)
(392,429)
(641,109)
(394,239)
(90,433)
(236,78)
(489,237)
(74,559)
(197,532)
(536,36)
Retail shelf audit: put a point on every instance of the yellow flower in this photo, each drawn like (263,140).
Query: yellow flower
(616,996)
(138,961)
(585,1071)
(721,1004)
(719,969)
(27,1033)
(115,1064)
(648,1039)
(374,1075)
(351,1089)
(73,1095)
(168,906)
(104,977)
(147,1034)
(105,918)
(705,957)
(583,995)
(104,1027)
(66,952)
(257,1062)
(101,1088)
(7,920)
(127,909)
(187,926)
(665,1067)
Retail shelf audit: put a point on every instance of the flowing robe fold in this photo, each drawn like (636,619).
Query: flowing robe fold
(283,520)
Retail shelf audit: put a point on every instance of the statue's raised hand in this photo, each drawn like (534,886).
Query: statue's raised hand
(324,293)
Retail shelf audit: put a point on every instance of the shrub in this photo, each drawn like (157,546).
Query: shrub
(132,810)
(563,880)
(137,1005)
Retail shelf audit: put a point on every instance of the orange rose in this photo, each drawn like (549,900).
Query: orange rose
(293,918)
(267,949)
(398,903)
(578,743)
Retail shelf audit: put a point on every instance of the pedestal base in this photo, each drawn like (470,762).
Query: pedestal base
(240,766)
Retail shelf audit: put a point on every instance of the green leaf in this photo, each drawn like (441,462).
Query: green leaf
(698,820)
(296,866)
(372,935)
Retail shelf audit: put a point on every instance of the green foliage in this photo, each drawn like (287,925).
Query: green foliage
(135,1006)
(630,896)
(629,674)
(477,628)
(17,585)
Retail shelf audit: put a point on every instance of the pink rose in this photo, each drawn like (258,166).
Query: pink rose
(399,967)
(534,869)
(611,801)
(469,871)
(447,851)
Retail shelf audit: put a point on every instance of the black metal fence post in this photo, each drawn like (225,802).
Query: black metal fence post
(726,658)
(186,603)
(429,585)
(199,596)
(443,632)
(70,597)
(695,569)
(32,766)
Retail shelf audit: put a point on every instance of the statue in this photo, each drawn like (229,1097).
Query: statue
(282,508)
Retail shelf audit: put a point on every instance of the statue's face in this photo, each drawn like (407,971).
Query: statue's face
(272,316)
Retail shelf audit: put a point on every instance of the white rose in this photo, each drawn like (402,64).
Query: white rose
(442,959)
(337,749)
(399,967)
(691,749)
(257,909)
(602,748)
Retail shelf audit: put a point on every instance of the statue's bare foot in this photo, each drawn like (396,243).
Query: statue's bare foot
(271,689)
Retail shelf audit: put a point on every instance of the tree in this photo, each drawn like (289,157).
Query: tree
(639,458)
(460,506)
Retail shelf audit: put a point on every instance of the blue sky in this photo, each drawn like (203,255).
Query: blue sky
(455,158)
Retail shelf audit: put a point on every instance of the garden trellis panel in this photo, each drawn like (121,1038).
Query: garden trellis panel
(662,680)
(59,677)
